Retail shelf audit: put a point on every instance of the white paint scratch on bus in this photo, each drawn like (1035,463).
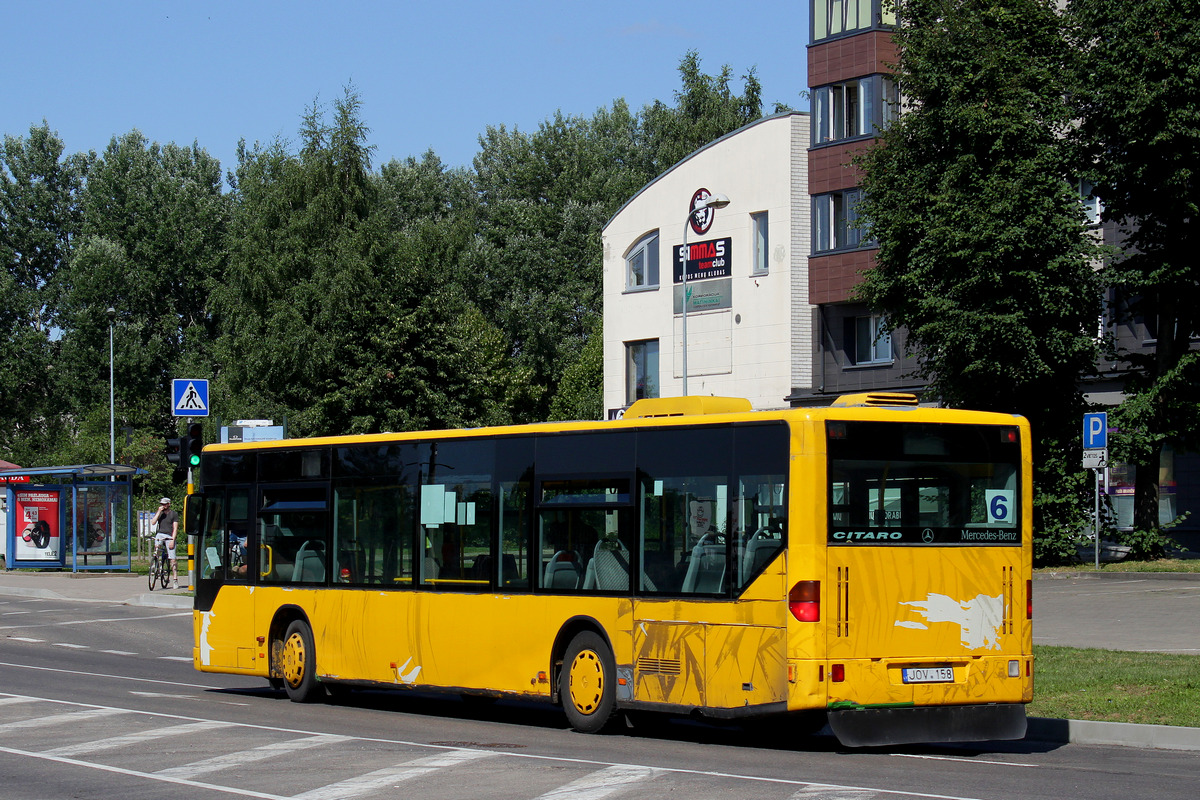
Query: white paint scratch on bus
(979,619)
(205,647)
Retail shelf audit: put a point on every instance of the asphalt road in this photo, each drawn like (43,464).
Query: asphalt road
(99,699)
(1144,612)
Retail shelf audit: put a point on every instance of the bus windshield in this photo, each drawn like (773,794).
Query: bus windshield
(923,484)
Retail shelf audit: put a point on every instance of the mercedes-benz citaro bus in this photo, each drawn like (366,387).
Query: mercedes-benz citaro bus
(865,565)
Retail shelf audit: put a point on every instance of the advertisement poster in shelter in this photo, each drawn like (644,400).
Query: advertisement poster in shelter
(37,525)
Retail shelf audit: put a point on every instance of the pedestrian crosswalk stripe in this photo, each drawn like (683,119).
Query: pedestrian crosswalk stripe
(372,781)
(113,742)
(242,757)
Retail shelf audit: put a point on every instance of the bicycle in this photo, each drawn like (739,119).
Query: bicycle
(160,565)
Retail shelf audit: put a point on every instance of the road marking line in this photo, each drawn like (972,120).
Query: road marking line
(58,719)
(9,701)
(602,783)
(72,646)
(147,775)
(114,742)
(106,675)
(119,652)
(244,757)
(383,778)
(25,639)
(827,793)
(175,658)
(962,760)
(92,621)
(516,755)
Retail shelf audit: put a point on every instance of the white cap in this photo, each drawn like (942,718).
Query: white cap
(164,500)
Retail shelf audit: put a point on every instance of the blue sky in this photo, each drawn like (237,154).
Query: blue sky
(430,75)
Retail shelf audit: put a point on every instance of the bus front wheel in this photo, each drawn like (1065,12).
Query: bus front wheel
(299,664)
(586,683)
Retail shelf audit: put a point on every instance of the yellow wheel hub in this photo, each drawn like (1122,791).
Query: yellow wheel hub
(587,681)
(293,660)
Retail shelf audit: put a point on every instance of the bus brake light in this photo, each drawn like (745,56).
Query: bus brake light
(804,601)
(1028,599)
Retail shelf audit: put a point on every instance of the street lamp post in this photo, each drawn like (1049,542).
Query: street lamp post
(713,201)
(112,440)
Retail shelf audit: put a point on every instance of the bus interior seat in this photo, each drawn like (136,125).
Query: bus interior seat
(563,571)
(761,548)
(609,568)
(706,568)
(310,563)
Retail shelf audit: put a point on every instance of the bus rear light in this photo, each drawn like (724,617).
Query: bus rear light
(1014,669)
(804,601)
(837,673)
(1028,599)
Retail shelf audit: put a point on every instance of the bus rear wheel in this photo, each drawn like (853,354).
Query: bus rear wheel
(299,664)
(587,683)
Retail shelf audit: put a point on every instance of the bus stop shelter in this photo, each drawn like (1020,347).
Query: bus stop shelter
(74,516)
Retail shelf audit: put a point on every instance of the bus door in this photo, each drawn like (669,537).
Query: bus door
(225,568)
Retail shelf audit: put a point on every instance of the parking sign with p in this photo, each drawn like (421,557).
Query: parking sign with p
(1095,431)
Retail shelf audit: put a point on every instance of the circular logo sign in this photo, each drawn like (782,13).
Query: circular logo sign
(927,535)
(701,220)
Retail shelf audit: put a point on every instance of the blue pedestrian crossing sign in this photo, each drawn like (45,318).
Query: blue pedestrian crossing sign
(189,397)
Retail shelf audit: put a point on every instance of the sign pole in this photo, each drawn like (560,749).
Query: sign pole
(1096,527)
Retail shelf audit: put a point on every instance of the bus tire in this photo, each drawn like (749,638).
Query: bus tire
(300,664)
(587,683)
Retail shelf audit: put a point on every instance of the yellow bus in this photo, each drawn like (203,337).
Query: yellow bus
(865,565)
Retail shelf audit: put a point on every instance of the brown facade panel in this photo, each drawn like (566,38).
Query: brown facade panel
(832,278)
(851,57)
(831,168)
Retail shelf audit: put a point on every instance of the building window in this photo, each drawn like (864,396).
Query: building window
(869,340)
(835,221)
(641,370)
(836,17)
(761,243)
(641,264)
(1091,204)
(860,107)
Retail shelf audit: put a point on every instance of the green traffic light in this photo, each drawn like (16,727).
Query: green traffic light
(194,460)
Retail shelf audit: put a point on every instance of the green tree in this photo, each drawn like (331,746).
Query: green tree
(706,108)
(580,393)
(39,216)
(151,247)
(983,256)
(1138,103)
(336,311)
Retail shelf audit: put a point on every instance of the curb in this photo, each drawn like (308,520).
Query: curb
(1121,734)
(1128,576)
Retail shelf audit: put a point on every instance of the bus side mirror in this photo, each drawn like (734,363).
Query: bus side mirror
(193,504)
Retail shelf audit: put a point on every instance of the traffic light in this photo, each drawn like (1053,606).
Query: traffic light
(195,443)
(173,450)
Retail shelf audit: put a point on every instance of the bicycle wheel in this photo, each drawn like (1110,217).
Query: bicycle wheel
(164,569)
(153,571)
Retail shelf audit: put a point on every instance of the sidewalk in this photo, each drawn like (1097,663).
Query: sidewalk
(1058,613)
(93,587)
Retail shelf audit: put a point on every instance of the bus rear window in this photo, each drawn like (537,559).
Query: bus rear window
(897,483)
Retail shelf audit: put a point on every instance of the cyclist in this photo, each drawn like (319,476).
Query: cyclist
(168,526)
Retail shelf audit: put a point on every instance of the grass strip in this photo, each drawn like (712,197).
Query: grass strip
(1116,686)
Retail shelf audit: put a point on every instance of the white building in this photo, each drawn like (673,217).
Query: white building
(749,322)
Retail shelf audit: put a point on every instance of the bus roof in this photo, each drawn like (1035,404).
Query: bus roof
(667,411)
